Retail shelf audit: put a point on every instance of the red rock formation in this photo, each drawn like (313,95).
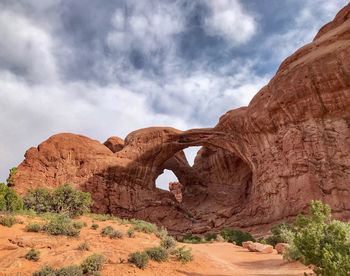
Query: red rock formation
(176,189)
(259,165)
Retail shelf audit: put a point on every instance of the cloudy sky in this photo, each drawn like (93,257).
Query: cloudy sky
(103,68)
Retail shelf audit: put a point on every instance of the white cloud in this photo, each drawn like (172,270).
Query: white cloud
(26,47)
(229,19)
(146,26)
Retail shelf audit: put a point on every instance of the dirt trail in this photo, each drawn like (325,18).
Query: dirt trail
(235,260)
(216,259)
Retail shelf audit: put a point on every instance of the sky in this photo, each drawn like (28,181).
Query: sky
(106,68)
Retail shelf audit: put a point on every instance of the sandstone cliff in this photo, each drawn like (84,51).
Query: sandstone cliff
(259,165)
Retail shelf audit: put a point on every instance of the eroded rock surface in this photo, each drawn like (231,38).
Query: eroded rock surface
(259,165)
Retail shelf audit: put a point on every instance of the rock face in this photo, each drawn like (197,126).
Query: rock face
(259,165)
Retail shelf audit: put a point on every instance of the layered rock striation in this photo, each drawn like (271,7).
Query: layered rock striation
(259,165)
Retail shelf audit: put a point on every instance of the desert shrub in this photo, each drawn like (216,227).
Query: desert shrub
(319,241)
(84,246)
(106,231)
(61,225)
(210,237)
(162,233)
(168,242)
(79,224)
(116,234)
(39,200)
(140,259)
(183,254)
(7,220)
(278,234)
(219,238)
(93,263)
(9,199)
(66,199)
(72,270)
(32,255)
(131,232)
(45,271)
(33,227)
(94,226)
(100,217)
(189,238)
(158,254)
(236,236)
(143,226)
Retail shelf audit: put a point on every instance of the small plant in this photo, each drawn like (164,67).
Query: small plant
(192,239)
(144,226)
(7,220)
(116,234)
(94,226)
(183,254)
(84,246)
(79,224)
(32,255)
(61,225)
(210,237)
(168,242)
(100,217)
(278,234)
(33,227)
(140,259)
(131,232)
(45,271)
(106,231)
(162,233)
(219,238)
(93,263)
(236,236)
(72,270)
(158,254)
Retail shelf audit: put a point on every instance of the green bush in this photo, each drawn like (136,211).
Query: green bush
(106,231)
(72,270)
(189,238)
(33,227)
(7,220)
(210,237)
(140,259)
(61,225)
(66,199)
(79,224)
(158,254)
(32,255)
(131,232)
(236,236)
(93,263)
(45,271)
(84,246)
(9,200)
(144,226)
(39,200)
(116,234)
(168,242)
(12,173)
(319,241)
(278,234)
(183,254)
(94,226)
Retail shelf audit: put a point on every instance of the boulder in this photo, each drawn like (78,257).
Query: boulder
(259,247)
(281,247)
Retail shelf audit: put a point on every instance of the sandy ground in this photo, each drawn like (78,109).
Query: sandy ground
(215,259)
